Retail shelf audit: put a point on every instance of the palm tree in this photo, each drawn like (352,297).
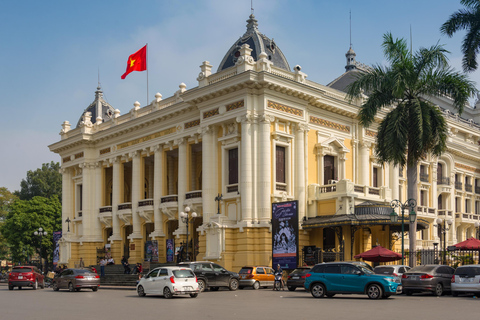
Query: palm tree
(466,19)
(415,126)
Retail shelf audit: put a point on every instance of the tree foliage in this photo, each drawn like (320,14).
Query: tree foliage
(43,182)
(467,19)
(6,200)
(24,218)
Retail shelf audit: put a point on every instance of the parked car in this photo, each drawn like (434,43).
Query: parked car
(75,280)
(361,263)
(296,278)
(169,281)
(256,277)
(428,278)
(328,279)
(466,280)
(26,276)
(396,270)
(212,276)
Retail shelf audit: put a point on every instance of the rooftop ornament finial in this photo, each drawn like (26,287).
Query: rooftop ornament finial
(252,24)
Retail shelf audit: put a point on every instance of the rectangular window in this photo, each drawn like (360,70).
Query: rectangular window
(375,178)
(233,166)
(280,164)
(328,169)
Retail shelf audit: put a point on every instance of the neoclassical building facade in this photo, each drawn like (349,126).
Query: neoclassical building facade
(254,132)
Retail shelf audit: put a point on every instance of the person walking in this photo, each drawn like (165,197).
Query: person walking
(126,267)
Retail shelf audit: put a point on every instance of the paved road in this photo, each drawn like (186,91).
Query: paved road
(224,304)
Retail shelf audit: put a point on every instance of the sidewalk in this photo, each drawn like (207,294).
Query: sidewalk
(5,284)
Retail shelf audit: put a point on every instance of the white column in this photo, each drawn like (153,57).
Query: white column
(394,181)
(182,178)
(67,193)
(99,192)
(88,199)
(158,191)
(208,173)
(364,170)
(264,169)
(246,170)
(137,186)
(117,189)
(300,169)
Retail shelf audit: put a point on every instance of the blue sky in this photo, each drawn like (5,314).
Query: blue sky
(51,52)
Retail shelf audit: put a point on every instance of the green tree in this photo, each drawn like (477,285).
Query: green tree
(24,218)
(466,19)
(6,200)
(415,126)
(44,182)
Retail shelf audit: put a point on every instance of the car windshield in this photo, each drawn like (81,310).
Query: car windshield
(298,271)
(468,271)
(365,270)
(425,269)
(383,270)
(183,273)
(246,270)
(22,270)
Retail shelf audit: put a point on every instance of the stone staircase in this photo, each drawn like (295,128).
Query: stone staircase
(114,275)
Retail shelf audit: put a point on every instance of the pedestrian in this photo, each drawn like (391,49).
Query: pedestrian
(126,267)
(279,276)
(103,263)
(81,264)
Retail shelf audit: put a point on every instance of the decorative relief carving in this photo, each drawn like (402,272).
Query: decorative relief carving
(66,159)
(147,138)
(106,150)
(191,124)
(463,166)
(371,133)
(79,155)
(210,113)
(283,108)
(330,124)
(235,105)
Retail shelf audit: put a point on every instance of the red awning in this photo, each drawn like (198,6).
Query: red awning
(379,254)
(469,244)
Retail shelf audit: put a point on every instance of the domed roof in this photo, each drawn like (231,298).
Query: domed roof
(258,43)
(98,107)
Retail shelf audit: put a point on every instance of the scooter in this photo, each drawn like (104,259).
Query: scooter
(277,284)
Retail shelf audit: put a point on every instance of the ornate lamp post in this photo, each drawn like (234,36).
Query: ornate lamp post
(410,203)
(185,219)
(218,199)
(443,230)
(68,223)
(40,233)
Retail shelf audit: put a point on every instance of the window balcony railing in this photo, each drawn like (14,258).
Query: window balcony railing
(105,209)
(468,187)
(232,188)
(193,194)
(123,206)
(458,185)
(281,186)
(424,177)
(443,180)
(477,190)
(171,198)
(145,202)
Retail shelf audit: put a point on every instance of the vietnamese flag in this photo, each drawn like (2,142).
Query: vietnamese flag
(137,61)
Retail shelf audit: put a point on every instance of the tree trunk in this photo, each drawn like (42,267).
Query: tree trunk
(412,194)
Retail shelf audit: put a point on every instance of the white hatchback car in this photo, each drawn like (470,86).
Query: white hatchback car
(466,280)
(169,281)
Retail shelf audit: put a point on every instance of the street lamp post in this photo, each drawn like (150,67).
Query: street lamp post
(185,219)
(218,199)
(40,233)
(443,230)
(410,203)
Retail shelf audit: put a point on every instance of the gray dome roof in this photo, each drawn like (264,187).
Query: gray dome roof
(258,43)
(98,106)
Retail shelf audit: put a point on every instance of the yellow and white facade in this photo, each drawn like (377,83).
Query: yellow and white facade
(256,133)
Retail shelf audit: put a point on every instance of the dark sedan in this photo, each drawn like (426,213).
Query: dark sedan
(76,279)
(297,278)
(428,278)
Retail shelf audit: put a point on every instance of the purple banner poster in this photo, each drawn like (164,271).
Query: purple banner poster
(57,235)
(285,234)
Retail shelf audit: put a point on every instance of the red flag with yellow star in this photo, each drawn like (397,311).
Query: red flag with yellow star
(137,61)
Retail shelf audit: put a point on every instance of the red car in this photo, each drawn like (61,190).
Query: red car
(26,276)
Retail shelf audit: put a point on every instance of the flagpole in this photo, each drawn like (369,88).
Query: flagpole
(147,73)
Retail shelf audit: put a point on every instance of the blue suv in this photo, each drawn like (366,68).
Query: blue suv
(328,279)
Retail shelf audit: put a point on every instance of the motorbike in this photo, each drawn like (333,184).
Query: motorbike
(277,284)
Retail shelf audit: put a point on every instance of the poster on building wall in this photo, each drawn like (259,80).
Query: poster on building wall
(151,251)
(57,235)
(170,250)
(285,234)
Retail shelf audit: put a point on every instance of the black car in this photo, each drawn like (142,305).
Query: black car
(212,276)
(297,278)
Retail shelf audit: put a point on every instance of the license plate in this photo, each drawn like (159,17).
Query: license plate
(243,277)
(467,279)
(20,277)
(188,288)
(295,278)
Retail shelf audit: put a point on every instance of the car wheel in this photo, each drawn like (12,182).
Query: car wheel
(141,291)
(454,293)
(167,293)
(55,286)
(42,285)
(201,285)
(256,285)
(438,290)
(35,286)
(95,289)
(317,290)
(291,288)
(374,291)
(10,287)
(70,287)
(233,285)
(193,295)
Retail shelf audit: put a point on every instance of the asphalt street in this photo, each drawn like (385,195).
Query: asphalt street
(224,304)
